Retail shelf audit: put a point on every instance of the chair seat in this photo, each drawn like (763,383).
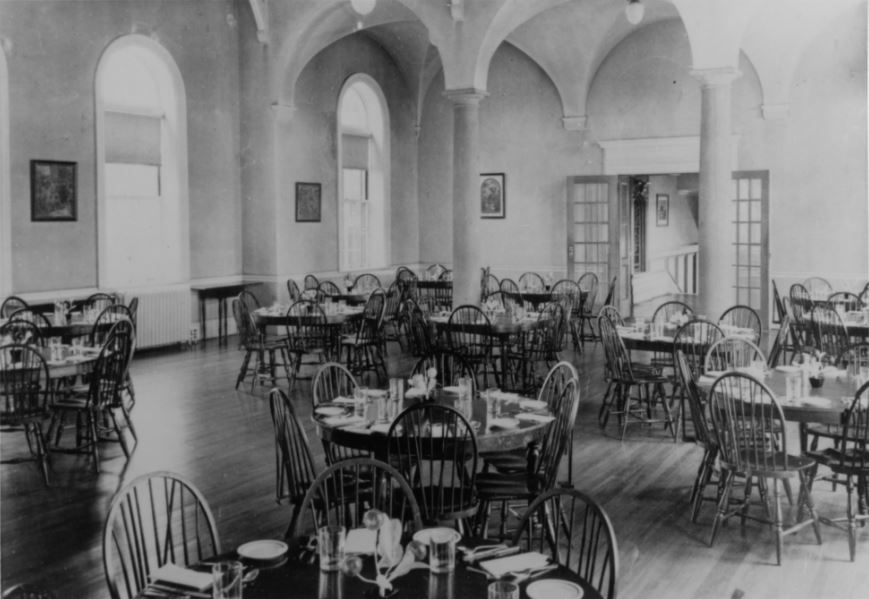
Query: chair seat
(71,403)
(271,344)
(453,502)
(495,486)
(842,462)
(774,466)
(514,461)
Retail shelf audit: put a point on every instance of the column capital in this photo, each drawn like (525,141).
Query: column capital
(575,122)
(283,113)
(467,96)
(716,77)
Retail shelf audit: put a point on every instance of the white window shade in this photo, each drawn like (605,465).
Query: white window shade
(132,138)
(354,151)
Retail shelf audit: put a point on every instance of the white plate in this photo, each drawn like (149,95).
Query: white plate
(525,417)
(264,551)
(504,423)
(330,410)
(787,368)
(552,588)
(532,405)
(441,533)
(455,389)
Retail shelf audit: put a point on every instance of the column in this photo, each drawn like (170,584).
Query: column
(467,258)
(715,260)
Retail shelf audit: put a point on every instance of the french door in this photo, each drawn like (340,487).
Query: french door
(750,198)
(593,233)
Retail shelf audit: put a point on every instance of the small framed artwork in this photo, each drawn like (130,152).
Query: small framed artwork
(52,191)
(662,208)
(307,202)
(493,195)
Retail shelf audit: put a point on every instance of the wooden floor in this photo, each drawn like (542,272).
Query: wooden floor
(191,421)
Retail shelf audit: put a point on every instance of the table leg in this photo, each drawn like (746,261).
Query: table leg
(221,320)
(202,317)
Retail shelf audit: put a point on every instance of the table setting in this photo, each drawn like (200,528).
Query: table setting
(375,561)
(500,419)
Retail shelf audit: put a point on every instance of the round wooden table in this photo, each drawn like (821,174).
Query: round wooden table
(362,436)
(822,405)
(298,576)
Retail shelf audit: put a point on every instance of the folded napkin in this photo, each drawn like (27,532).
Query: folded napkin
(452,389)
(380,427)
(534,417)
(415,392)
(336,421)
(505,396)
(183,577)
(500,566)
(360,541)
(503,423)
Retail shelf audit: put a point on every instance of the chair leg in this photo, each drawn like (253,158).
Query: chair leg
(723,502)
(704,473)
(777,523)
(243,371)
(93,433)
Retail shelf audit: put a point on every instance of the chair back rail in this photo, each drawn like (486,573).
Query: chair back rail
(157,518)
(344,491)
(435,449)
(576,532)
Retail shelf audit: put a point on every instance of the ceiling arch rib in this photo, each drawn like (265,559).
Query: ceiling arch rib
(796,23)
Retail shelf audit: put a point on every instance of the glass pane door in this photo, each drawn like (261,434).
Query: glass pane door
(750,239)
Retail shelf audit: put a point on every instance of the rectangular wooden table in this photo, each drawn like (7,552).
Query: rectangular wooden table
(220,292)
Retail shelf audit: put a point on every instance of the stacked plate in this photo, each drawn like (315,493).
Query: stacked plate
(265,552)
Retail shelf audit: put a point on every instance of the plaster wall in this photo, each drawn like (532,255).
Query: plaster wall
(819,210)
(521,135)
(816,156)
(309,153)
(53,48)
(681,229)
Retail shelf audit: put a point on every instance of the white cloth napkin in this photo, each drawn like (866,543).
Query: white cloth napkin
(535,417)
(500,566)
(343,420)
(182,577)
(360,541)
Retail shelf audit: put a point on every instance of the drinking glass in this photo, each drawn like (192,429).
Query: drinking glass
(226,580)
(501,589)
(330,544)
(442,551)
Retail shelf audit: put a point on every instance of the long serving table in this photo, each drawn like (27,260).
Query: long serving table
(221,292)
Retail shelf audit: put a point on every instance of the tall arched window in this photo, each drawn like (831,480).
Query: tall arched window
(363,163)
(5,194)
(141,166)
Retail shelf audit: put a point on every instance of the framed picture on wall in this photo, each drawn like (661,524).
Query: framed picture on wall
(493,195)
(307,202)
(662,209)
(52,191)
